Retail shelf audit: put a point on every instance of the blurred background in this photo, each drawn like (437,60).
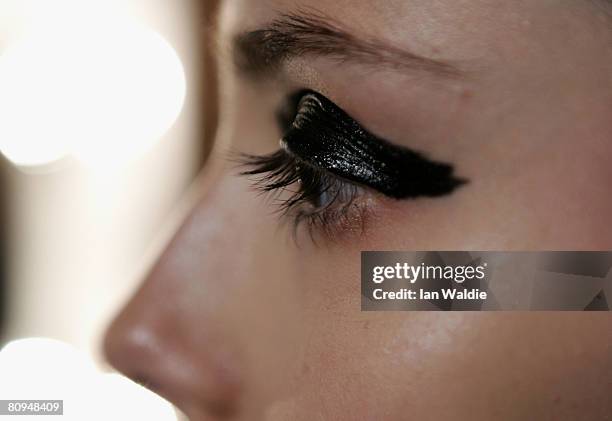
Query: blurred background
(105,108)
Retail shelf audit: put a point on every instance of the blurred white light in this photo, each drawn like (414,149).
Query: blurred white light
(30,128)
(98,86)
(38,368)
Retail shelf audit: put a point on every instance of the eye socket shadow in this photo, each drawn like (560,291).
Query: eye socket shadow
(325,136)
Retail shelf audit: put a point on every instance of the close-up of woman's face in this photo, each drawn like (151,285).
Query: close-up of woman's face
(356,125)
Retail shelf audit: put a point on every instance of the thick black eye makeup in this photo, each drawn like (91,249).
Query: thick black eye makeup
(328,162)
(326,137)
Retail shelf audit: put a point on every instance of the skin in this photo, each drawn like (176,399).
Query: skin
(238,320)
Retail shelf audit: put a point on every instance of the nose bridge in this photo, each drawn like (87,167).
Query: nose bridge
(172,335)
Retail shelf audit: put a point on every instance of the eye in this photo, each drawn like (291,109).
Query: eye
(329,168)
(306,194)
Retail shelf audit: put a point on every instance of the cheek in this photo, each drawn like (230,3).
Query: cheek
(568,196)
(552,195)
(386,365)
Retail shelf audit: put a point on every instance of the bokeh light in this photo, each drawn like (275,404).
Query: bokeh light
(40,368)
(82,81)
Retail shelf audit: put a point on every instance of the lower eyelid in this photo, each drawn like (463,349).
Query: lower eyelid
(345,222)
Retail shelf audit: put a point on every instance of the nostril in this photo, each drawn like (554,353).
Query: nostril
(144,381)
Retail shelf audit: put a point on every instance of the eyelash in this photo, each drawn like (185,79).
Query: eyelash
(326,204)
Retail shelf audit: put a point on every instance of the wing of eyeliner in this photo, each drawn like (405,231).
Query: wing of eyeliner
(326,137)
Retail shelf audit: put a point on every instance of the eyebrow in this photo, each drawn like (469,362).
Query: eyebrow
(263,51)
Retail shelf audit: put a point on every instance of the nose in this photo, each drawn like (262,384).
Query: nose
(193,372)
(175,335)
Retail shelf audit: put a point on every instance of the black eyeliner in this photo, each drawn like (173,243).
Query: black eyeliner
(326,137)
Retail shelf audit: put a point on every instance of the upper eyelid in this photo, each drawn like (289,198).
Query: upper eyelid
(331,139)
